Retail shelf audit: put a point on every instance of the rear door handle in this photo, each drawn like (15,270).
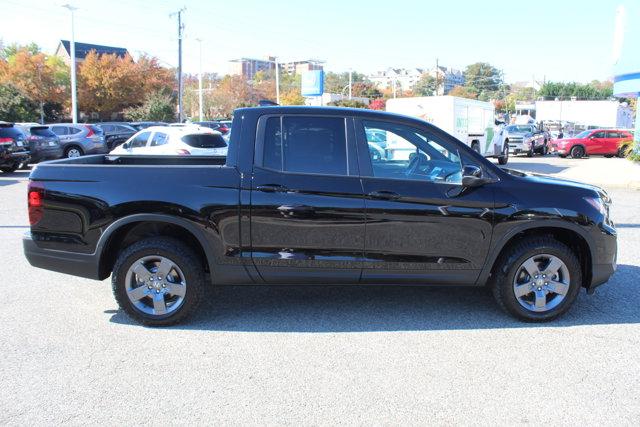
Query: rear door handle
(384,195)
(271,188)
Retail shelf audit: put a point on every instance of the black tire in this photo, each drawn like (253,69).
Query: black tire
(545,148)
(182,256)
(475,147)
(9,169)
(530,152)
(624,151)
(562,156)
(508,265)
(72,147)
(577,152)
(504,159)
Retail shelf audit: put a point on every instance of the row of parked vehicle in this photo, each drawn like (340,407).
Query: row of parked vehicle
(530,139)
(24,143)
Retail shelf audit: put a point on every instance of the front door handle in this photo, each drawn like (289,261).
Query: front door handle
(384,195)
(272,188)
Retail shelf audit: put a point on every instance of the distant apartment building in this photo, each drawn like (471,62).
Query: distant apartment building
(299,67)
(447,79)
(248,67)
(82,50)
(405,79)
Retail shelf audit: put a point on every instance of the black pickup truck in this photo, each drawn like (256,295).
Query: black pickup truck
(300,200)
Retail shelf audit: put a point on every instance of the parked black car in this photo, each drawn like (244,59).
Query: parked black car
(221,127)
(143,125)
(300,200)
(13,148)
(42,142)
(115,133)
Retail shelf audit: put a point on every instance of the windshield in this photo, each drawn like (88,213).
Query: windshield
(583,134)
(516,128)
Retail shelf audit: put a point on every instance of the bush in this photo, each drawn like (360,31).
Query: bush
(15,107)
(349,103)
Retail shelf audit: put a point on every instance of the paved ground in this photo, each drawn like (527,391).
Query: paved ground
(598,170)
(317,355)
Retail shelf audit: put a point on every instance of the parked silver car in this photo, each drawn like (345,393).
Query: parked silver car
(80,139)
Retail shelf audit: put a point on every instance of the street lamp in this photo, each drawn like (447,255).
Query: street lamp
(200,81)
(74,105)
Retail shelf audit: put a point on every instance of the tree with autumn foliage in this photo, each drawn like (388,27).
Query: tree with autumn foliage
(42,79)
(463,92)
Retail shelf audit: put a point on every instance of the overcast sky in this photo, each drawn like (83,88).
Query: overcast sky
(552,39)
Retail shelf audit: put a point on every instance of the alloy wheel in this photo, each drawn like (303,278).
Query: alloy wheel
(73,152)
(541,283)
(155,285)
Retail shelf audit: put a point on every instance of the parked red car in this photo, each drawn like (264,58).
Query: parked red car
(607,142)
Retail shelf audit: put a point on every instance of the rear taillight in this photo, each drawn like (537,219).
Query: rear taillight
(183,152)
(6,140)
(35,202)
(90,129)
(223,129)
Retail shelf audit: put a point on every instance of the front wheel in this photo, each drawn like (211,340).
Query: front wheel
(537,280)
(577,152)
(158,281)
(504,158)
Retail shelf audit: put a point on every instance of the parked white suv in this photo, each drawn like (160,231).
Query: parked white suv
(172,141)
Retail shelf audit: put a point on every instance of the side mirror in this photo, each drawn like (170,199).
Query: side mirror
(472,176)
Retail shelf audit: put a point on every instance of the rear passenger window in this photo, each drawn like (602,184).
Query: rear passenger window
(159,138)
(59,130)
(73,131)
(314,145)
(613,135)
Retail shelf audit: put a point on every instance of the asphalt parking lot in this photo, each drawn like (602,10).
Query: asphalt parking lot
(315,355)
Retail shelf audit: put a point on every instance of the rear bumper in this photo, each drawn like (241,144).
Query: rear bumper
(49,153)
(9,159)
(76,264)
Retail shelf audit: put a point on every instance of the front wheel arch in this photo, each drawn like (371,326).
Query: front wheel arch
(571,238)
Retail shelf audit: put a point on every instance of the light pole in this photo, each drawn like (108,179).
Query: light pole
(74,102)
(277,81)
(200,82)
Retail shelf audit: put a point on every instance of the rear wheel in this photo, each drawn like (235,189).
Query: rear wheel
(158,281)
(475,147)
(504,158)
(530,152)
(577,152)
(73,151)
(537,280)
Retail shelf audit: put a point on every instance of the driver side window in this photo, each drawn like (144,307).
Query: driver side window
(402,152)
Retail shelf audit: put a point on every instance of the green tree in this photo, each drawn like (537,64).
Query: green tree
(158,106)
(337,82)
(426,86)
(566,90)
(349,103)
(15,106)
(482,78)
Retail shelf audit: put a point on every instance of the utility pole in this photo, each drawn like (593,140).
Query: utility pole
(74,102)
(180,31)
(350,81)
(200,82)
(277,81)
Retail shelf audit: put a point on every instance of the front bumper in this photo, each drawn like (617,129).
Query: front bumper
(76,264)
(604,256)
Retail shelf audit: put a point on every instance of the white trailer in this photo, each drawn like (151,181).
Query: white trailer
(471,121)
(586,114)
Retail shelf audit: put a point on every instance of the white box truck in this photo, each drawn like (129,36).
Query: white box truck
(471,121)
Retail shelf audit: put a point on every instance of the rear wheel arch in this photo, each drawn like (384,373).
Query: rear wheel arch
(576,241)
(127,231)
